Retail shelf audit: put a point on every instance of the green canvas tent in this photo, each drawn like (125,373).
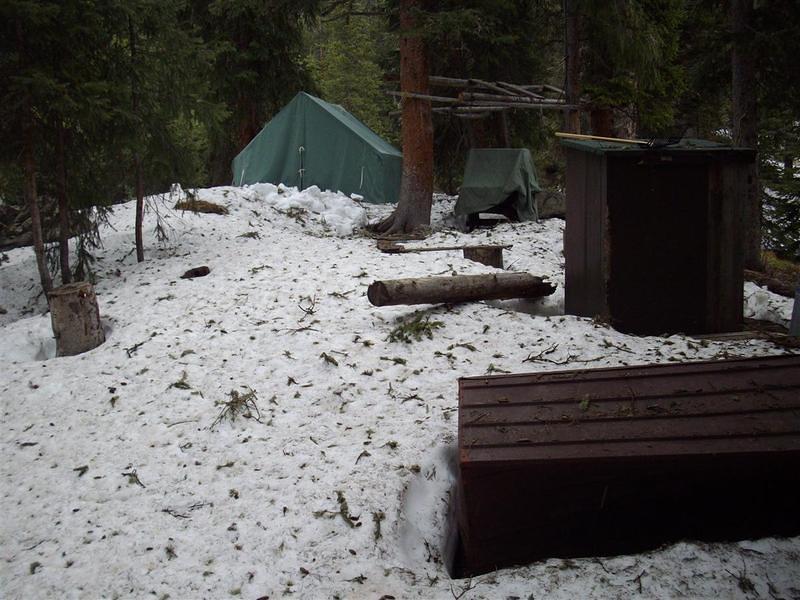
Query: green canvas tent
(495,177)
(312,142)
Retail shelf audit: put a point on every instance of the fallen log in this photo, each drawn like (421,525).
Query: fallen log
(392,247)
(459,288)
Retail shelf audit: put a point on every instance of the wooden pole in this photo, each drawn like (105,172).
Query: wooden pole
(417,96)
(551,88)
(599,138)
(479,96)
(469,109)
(459,288)
(519,90)
(535,105)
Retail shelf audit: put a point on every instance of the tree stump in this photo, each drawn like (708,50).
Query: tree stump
(76,318)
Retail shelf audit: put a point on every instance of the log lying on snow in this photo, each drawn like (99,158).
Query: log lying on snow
(392,247)
(459,288)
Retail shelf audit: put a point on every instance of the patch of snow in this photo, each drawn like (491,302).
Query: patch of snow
(760,303)
(336,210)
(115,484)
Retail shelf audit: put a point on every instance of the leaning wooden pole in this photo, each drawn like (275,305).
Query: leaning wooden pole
(459,288)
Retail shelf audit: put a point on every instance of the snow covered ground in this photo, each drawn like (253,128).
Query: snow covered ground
(116,482)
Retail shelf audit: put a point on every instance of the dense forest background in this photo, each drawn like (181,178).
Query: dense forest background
(106,101)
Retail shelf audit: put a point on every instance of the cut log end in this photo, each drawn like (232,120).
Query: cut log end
(377,294)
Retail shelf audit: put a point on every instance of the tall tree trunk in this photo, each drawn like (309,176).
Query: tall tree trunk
(248,123)
(63,206)
(572,55)
(602,121)
(745,121)
(137,161)
(29,171)
(502,132)
(413,210)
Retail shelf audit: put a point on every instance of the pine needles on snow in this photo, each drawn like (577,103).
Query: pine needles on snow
(239,405)
(414,329)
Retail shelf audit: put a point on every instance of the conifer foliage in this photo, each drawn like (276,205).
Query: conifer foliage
(101,102)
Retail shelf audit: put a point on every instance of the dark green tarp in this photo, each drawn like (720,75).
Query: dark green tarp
(496,175)
(312,142)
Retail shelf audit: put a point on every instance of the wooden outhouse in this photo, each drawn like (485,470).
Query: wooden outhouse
(653,239)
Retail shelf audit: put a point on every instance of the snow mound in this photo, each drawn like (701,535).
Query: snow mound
(340,213)
(760,303)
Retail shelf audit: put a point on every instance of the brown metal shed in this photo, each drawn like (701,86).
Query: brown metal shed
(653,239)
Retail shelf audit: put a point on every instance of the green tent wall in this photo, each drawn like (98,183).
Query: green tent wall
(312,142)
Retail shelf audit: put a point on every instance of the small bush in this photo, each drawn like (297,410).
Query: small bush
(414,328)
(239,405)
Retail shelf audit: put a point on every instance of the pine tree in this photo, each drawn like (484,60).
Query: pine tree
(630,67)
(345,53)
(160,74)
(259,66)
(28,86)
(777,44)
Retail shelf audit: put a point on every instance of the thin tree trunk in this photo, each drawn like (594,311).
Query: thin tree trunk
(29,168)
(572,118)
(63,207)
(137,161)
(501,129)
(602,121)
(416,186)
(788,168)
(29,181)
(745,122)
(248,123)
(139,211)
